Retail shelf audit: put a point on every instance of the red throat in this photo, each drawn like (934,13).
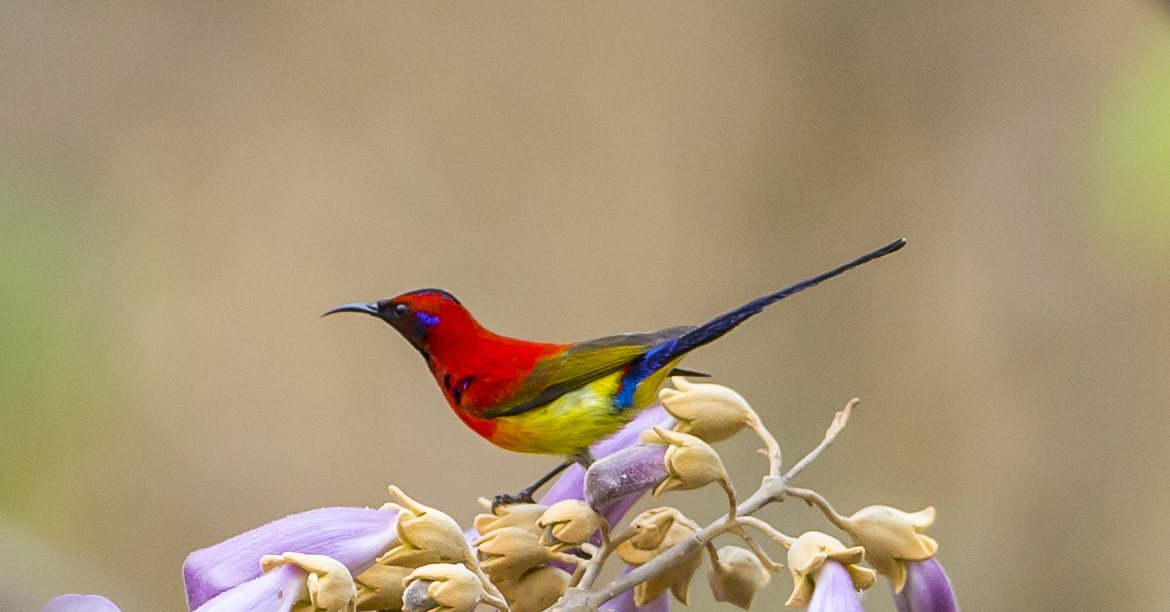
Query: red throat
(476,368)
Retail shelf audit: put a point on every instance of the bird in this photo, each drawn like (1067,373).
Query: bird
(553,398)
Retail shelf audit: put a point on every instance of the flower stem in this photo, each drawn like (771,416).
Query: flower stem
(771,448)
(813,498)
(593,567)
(835,427)
(492,595)
(731,499)
(768,530)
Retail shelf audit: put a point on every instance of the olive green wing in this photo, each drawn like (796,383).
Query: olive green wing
(581,364)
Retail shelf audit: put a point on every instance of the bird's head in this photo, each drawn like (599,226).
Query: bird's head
(415,314)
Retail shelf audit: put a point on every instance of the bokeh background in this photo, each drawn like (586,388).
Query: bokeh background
(185,187)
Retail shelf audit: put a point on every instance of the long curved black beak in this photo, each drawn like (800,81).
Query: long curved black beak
(370,309)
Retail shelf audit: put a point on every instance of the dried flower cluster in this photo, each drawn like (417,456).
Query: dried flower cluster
(550,555)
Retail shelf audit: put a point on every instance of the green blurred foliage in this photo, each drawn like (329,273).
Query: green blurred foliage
(1132,158)
(47,365)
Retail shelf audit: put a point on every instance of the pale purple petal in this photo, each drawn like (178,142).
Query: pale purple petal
(355,537)
(927,589)
(275,591)
(626,473)
(833,591)
(625,602)
(571,485)
(80,603)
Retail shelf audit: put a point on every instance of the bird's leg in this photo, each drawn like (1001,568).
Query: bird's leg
(585,458)
(525,494)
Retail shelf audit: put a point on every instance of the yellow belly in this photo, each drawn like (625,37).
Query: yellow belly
(570,424)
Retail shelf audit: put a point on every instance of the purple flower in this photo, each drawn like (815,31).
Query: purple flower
(899,550)
(614,483)
(826,575)
(353,536)
(927,589)
(614,504)
(571,485)
(276,591)
(79,603)
(834,590)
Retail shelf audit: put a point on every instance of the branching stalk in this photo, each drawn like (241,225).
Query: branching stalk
(593,567)
(835,427)
(773,488)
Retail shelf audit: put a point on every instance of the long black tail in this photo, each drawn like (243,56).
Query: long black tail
(663,354)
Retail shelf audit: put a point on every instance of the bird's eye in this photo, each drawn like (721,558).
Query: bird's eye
(400,310)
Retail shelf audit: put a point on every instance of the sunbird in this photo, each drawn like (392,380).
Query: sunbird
(553,398)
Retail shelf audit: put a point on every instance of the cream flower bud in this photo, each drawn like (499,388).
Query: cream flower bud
(892,538)
(330,584)
(510,515)
(657,530)
(568,523)
(538,589)
(427,535)
(380,587)
(707,411)
(690,462)
(442,587)
(654,531)
(506,553)
(808,554)
(737,576)
(676,578)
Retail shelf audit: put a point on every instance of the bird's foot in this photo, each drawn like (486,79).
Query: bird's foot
(525,494)
(584,458)
(504,499)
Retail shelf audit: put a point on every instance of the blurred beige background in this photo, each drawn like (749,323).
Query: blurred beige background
(184,188)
